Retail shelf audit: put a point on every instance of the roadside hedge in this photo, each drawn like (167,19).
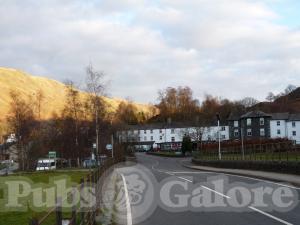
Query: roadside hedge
(270,166)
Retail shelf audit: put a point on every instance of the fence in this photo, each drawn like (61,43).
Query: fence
(78,215)
(282,151)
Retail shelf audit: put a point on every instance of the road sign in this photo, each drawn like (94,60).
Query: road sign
(52,154)
(109,146)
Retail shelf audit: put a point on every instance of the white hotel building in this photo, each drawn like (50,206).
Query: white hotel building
(169,136)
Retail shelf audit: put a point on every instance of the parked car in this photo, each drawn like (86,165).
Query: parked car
(50,164)
(89,163)
(45,164)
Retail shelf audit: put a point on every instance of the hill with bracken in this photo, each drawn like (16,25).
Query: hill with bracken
(287,103)
(53,91)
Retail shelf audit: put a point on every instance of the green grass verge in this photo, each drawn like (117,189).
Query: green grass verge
(283,156)
(20,218)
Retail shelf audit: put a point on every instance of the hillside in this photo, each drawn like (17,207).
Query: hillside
(289,103)
(54,91)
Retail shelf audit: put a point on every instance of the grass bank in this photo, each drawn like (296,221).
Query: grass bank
(20,218)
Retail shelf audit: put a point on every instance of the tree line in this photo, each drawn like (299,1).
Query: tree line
(83,121)
(179,104)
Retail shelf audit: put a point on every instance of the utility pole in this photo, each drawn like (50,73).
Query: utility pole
(219,136)
(97,132)
(242,139)
(112,145)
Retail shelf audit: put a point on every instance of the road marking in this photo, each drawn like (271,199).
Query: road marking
(169,173)
(182,178)
(271,216)
(129,215)
(184,172)
(207,188)
(233,175)
(219,193)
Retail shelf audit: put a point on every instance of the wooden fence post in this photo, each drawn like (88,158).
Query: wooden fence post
(74,213)
(59,211)
(82,214)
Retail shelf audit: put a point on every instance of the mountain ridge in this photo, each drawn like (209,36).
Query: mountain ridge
(53,90)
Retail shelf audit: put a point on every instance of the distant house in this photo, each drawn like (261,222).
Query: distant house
(252,125)
(257,124)
(286,125)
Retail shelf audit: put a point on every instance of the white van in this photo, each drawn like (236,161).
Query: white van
(46,164)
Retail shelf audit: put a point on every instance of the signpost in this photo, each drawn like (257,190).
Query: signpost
(52,155)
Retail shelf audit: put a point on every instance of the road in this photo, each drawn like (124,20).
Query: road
(172,170)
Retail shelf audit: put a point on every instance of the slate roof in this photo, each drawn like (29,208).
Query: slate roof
(234,116)
(255,114)
(280,116)
(294,117)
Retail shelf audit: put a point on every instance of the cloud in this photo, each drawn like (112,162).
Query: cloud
(226,48)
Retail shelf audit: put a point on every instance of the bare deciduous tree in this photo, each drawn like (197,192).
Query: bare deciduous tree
(95,86)
(248,102)
(270,97)
(21,122)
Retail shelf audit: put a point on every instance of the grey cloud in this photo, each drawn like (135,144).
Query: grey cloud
(224,49)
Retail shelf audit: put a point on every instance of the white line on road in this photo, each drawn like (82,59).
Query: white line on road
(233,175)
(207,188)
(169,173)
(270,216)
(182,178)
(129,215)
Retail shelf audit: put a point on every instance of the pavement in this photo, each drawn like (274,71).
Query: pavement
(9,170)
(201,185)
(290,179)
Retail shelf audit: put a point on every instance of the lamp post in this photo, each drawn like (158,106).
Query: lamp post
(242,139)
(219,136)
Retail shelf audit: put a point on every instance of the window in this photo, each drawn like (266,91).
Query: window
(278,123)
(294,133)
(140,138)
(151,131)
(236,132)
(294,124)
(262,121)
(249,132)
(223,128)
(262,132)
(160,131)
(173,139)
(145,138)
(223,137)
(236,123)
(139,131)
(160,137)
(278,132)
(151,138)
(172,131)
(145,132)
(249,121)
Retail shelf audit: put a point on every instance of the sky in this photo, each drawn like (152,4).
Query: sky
(227,48)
